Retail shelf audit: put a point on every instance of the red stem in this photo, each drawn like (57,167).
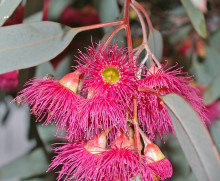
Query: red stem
(100,25)
(145,14)
(136,127)
(126,23)
(112,35)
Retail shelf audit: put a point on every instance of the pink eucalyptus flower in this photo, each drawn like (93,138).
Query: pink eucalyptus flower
(52,100)
(119,163)
(153,115)
(96,114)
(110,73)
(80,161)
(154,161)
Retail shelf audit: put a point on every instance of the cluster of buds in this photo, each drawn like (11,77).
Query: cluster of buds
(100,107)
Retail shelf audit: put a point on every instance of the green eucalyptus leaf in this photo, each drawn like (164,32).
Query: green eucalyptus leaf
(34,163)
(215,132)
(155,42)
(64,67)
(28,45)
(196,17)
(215,40)
(57,7)
(177,158)
(194,138)
(44,69)
(180,34)
(200,72)
(107,10)
(32,7)
(47,135)
(212,62)
(7,8)
(212,93)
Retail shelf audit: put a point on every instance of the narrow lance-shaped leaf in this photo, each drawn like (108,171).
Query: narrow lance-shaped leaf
(31,44)
(155,42)
(196,17)
(7,8)
(194,138)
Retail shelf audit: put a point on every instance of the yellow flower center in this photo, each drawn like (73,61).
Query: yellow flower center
(111,74)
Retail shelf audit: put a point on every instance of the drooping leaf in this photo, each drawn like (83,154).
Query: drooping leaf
(215,132)
(177,158)
(212,93)
(155,42)
(7,8)
(196,16)
(194,138)
(34,163)
(31,44)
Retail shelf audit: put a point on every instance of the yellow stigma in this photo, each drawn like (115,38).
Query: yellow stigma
(111,74)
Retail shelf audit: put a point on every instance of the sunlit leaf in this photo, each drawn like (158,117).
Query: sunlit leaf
(28,45)
(212,93)
(7,8)
(196,16)
(34,163)
(155,42)
(194,138)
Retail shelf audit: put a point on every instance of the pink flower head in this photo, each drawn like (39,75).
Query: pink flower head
(80,161)
(121,161)
(52,100)
(154,164)
(110,73)
(97,114)
(153,115)
(9,81)
(156,170)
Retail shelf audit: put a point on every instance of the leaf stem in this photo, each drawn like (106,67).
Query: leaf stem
(108,40)
(100,25)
